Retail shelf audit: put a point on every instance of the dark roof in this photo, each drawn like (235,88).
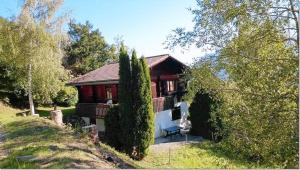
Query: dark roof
(110,72)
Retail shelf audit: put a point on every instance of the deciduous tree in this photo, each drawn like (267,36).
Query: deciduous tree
(32,45)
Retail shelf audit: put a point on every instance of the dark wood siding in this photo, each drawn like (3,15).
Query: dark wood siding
(100,95)
(114,89)
(153,89)
(86,93)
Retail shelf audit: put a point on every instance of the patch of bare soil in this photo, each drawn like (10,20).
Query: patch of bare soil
(114,159)
(96,161)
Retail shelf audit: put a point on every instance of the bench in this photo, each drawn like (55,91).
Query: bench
(174,130)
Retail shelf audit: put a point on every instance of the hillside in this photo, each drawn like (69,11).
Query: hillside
(34,142)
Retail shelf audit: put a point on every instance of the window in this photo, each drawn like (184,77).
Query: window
(176,113)
(108,92)
(171,86)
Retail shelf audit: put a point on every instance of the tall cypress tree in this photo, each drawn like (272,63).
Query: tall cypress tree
(135,105)
(144,110)
(125,99)
(137,101)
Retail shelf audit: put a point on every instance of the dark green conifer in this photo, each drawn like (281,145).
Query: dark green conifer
(144,108)
(125,100)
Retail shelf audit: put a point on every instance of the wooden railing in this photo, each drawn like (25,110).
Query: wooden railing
(163,103)
(99,110)
(102,109)
(92,110)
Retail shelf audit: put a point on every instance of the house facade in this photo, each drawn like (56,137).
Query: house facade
(99,87)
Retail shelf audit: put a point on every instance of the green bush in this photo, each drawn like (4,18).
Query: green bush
(112,127)
(205,121)
(67,96)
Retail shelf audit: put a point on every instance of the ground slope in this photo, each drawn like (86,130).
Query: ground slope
(33,142)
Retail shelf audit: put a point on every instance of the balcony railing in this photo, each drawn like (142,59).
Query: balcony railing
(99,110)
(92,110)
(163,103)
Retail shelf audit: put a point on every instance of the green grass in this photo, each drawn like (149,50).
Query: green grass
(201,155)
(45,111)
(51,146)
(34,136)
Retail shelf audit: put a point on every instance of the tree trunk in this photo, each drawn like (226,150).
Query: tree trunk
(32,111)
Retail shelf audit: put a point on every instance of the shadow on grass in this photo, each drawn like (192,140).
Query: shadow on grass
(13,162)
(45,112)
(27,131)
(50,161)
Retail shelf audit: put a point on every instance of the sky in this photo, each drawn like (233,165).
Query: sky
(142,24)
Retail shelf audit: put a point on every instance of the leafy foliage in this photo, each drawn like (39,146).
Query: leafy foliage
(67,96)
(268,94)
(30,52)
(87,50)
(254,71)
(216,23)
(258,87)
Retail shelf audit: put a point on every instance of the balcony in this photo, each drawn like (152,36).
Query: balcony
(99,110)
(92,110)
(163,103)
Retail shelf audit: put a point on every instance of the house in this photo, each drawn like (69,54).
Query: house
(99,87)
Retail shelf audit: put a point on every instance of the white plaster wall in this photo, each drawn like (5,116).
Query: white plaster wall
(100,125)
(163,119)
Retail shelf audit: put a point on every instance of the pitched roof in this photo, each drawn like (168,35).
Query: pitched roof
(110,72)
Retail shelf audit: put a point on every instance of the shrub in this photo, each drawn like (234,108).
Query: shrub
(66,97)
(205,121)
(112,127)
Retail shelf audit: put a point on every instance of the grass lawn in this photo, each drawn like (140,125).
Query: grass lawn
(45,111)
(47,145)
(201,155)
(54,147)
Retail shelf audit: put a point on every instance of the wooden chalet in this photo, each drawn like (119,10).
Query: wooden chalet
(100,86)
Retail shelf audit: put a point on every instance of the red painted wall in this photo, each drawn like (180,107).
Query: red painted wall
(100,93)
(97,93)
(86,94)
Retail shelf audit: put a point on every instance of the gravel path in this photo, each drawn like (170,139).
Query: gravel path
(166,143)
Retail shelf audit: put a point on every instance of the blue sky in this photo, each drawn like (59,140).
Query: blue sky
(142,24)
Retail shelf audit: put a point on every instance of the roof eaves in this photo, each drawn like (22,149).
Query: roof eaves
(159,61)
(111,81)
